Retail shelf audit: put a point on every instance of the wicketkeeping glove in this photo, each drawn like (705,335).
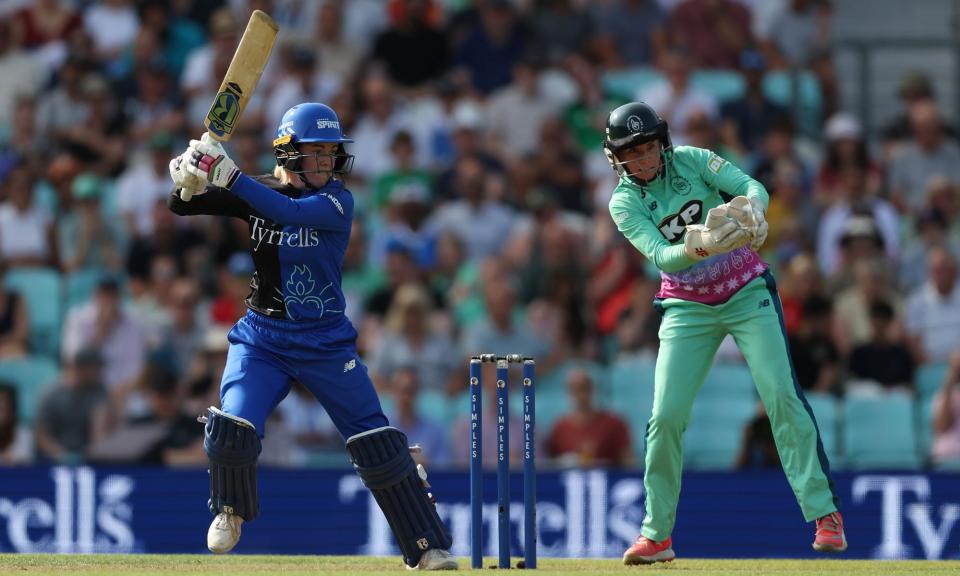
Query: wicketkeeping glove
(750,214)
(717,235)
(207,160)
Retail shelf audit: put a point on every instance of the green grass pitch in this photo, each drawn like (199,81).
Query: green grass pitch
(238,565)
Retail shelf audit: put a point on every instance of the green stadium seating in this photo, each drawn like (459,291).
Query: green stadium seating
(40,287)
(879,432)
(30,376)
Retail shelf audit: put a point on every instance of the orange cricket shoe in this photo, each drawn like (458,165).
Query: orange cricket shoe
(830,536)
(646,551)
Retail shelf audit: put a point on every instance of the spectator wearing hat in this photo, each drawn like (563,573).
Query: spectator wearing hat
(933,310)
(27,232)
(467,135)
(403,195)
(104,324)
(928,154)
(854,199)
(872,282)
(181,443)
(199,71)
(87,240)
(66,414)
(846,147)
(401,268)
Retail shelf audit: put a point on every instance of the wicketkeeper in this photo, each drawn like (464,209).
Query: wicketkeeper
(295,329)
(700,220)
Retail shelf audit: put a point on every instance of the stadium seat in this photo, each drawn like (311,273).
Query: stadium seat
(714,435)
(30,376)
(925,425)
(712,444)
(929,379)
(435,406)
(727,379)
(40,287)
(778,86)
(627,83)
(723,85)
(879,432)
(631,396)
(551,405)
(824,408)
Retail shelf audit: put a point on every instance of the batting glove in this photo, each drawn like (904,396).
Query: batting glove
(188,184)
(207,160)
(719,234)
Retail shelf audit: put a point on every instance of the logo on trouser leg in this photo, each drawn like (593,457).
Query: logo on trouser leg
(423,544)
(765,303)
(350,365)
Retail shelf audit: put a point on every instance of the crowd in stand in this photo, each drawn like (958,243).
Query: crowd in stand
(481,191)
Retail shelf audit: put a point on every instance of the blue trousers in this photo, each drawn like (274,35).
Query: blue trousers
(266,355)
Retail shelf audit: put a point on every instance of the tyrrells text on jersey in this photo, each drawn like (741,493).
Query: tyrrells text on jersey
(302,238)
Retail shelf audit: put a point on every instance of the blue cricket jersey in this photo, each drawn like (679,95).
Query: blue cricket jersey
(298,239)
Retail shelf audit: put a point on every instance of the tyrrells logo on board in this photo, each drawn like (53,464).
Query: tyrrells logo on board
(302,238)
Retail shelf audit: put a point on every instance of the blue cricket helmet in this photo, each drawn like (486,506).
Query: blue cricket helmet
(307,123)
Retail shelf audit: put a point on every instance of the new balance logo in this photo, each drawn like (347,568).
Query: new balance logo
(350,365)
(765,303)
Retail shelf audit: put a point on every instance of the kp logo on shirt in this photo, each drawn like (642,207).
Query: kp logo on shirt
(673,226)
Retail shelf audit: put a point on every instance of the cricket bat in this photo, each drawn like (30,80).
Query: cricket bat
(238,85)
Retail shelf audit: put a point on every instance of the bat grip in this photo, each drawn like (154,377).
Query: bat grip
(186,193)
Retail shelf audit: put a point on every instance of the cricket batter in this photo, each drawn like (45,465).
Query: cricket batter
(700,220)
(295,329)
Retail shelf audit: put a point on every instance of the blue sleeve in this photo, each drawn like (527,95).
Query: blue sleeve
(322,210)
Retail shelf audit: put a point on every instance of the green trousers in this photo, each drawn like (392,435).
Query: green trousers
(690,334)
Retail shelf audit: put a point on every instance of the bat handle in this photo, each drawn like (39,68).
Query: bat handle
(187,192)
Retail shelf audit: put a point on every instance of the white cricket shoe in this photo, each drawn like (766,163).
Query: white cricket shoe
(224,533)
(436,559)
